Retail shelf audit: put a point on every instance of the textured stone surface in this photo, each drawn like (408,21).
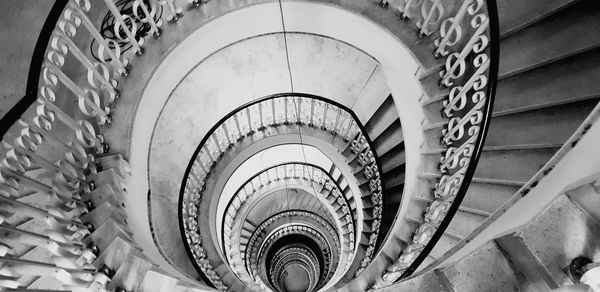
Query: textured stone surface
(485,270)
(426,282)
(20,24)
(560,234)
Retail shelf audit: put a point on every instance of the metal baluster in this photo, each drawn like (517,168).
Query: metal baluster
(176,13)
(88,107)
(202,165)
(337,119)
(273,112)
(449,71)
(250,132)
(346,135)
(260,180)
(454,31)
(84,131)
(74,152)
(260,112)
(216,140)
(154,26)
(312,112)
(299,110)
(428,16)
(93,74)
(224,126)
(285,110)
(268,177)
(122,25)
(103,44)
(326,107)
(210,155)
(407,6)
(237,124)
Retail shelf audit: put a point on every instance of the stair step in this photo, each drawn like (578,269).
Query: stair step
(515,15)
(394,177)
(393,158)
(551,39)
(444,244)
(464,223)
(130,274)
(487,197)
(390,138)
(385,115)
(45,284)
(18,247)
(109,177)
(543,126)
(587,198)
(117,252)
(565,81)
(102,213)
(535,275)
(115,162)
(156,280)
(514,165)
(105,193)
(104,234)
(486,269)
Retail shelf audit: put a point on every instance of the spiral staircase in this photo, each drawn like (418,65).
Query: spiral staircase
(192,145)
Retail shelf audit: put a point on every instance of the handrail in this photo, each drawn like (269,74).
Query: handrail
(73,182)
(203,159)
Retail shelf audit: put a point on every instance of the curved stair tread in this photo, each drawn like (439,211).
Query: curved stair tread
(551,38)
(564,81)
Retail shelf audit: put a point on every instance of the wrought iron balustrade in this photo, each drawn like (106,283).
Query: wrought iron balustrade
(465,35)
(52,145)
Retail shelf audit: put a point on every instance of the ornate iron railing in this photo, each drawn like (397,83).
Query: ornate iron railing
(272,111)
(52,147)
(465,33)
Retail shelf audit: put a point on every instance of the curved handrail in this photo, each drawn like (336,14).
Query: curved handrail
(361,145)
(469,115)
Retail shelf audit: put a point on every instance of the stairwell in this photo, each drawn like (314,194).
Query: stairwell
(545,90)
